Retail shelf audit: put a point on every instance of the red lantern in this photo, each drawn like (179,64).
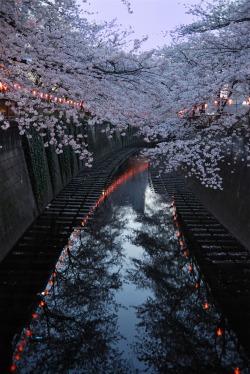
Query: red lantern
(237,370)
(219,332)
(206,305)
(13,368)
(42,303)
(28,332)
(17,356)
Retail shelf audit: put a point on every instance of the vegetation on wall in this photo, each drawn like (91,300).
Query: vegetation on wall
(34,152)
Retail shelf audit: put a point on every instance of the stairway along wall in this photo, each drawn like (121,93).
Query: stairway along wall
(31,175)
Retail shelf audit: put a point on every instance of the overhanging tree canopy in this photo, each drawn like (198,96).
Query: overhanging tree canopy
(58,68)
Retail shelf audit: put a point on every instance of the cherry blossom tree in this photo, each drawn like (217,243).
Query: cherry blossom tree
(57,69)
(207,76)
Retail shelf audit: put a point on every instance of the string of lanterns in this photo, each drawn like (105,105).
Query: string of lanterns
(44,96)
(190,261)
(58,267)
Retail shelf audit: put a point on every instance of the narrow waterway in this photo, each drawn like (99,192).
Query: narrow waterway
(125,298)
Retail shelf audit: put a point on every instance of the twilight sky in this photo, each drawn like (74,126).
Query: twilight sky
(150,17)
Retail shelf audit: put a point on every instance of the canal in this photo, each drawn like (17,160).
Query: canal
(126,297)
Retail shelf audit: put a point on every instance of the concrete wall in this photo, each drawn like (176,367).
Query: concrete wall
(232,205)
(17,203)
(31,175)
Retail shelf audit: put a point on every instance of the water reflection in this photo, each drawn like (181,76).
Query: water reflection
(125,300)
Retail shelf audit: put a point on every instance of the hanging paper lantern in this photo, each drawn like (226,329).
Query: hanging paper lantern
(20,348)
(13,368)
(28,332)
(206,305)
(17,356)
(237,370)
(219,332)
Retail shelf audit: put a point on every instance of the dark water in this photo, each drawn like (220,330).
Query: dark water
(126,298)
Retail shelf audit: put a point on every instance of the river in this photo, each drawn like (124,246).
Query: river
(125,298)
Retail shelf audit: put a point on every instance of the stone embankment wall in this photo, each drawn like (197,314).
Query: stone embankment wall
(17,203)
(231,206)
(31,175)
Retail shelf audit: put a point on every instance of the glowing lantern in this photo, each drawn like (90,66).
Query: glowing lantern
(51,282)
(42,303)
(65,252)
(197,285)
(54,274)
(28,332)
(58,266)
(205,106)
(20,348)
(230,102)
(206,305)
(185,253)
(13,368)
(17,356)
(190,268)
(61,259)
(219,332)
(181,243)
(46,292)
(237,370)
(34,315)
(178,234)
(68,245)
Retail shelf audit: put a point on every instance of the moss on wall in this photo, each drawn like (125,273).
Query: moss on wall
(38,168)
